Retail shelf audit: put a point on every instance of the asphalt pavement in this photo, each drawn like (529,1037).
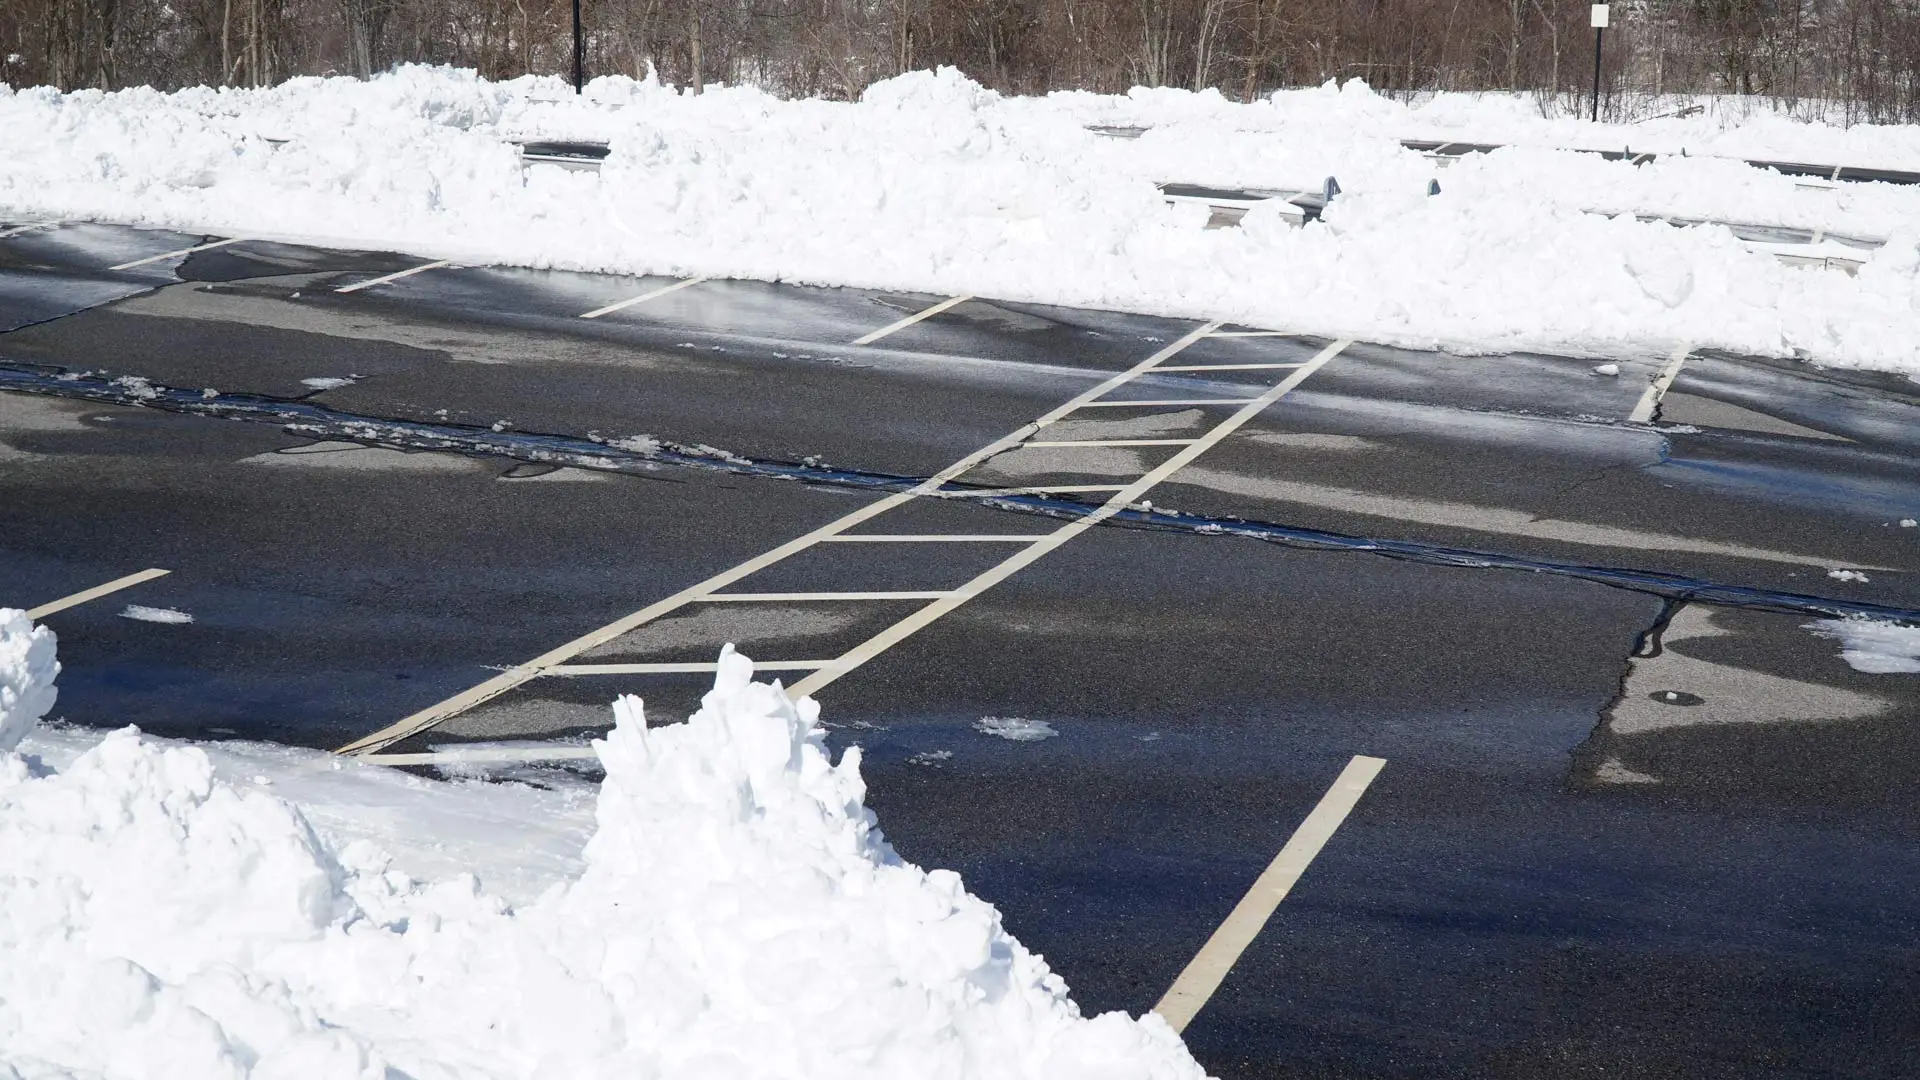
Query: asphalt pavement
(1638,817)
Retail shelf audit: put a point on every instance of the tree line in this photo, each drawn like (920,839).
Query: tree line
(1849,60)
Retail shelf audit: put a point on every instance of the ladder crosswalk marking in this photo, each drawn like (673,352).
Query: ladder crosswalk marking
(942,601)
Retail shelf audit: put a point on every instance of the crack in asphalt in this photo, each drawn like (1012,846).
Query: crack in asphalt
(305,418)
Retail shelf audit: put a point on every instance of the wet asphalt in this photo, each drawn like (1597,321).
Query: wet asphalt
(1560,872)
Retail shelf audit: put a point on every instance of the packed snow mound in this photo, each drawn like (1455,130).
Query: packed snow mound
(739,915)
(930,183)
(27,671)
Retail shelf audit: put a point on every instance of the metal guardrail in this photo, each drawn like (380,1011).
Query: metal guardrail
(567,155)
(1229,205)
(1838,173)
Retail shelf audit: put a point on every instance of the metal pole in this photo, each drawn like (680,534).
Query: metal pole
(1598,33)
(580,48)
(1597,18)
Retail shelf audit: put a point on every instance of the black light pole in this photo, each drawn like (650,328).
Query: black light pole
(580,50)
(1597,16)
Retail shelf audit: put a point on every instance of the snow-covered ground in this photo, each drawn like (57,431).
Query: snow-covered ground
(726,908)
(932,184)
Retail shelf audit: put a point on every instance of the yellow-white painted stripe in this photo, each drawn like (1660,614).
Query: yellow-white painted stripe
(643,297)
(94,593)
(1204,973)
(950,302)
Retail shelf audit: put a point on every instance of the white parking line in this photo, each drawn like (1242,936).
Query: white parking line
(1205,971)
(358,285)
(94,593)
(809,597)
(1113,442)
(483,755)
(643,297)
(929,313)
(1164,403)
(695,668)
(1229,367)
(934,538)
(1650,399)
(176,254)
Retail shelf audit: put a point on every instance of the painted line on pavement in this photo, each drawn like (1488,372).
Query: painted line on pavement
(809,597)
(1204,973)
(929,313)
(1120,500)
(95,593)
(1649,402)
(1113,442)
(506,755)
(176,254)
(935,538)
(1164,403)
(643,297)
(1228,367)
(358,285)
(695,668)
(533,669)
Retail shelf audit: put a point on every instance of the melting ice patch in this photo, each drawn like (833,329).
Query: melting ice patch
(1874,646)
(142,613)
(1014,728)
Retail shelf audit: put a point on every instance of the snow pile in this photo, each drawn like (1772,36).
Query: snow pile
(1874,646)
(738,916)
(932,184)
(27,671)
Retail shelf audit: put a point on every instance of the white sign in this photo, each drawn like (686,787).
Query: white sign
(1598,17)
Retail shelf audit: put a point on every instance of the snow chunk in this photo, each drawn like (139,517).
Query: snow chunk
(1607,369)
(138,387)
(1014,728)
(328,382)
(1908,523)
(638,444)
(27,671)
(1847,575)
(1874,646)
(142,613)
(738,914)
